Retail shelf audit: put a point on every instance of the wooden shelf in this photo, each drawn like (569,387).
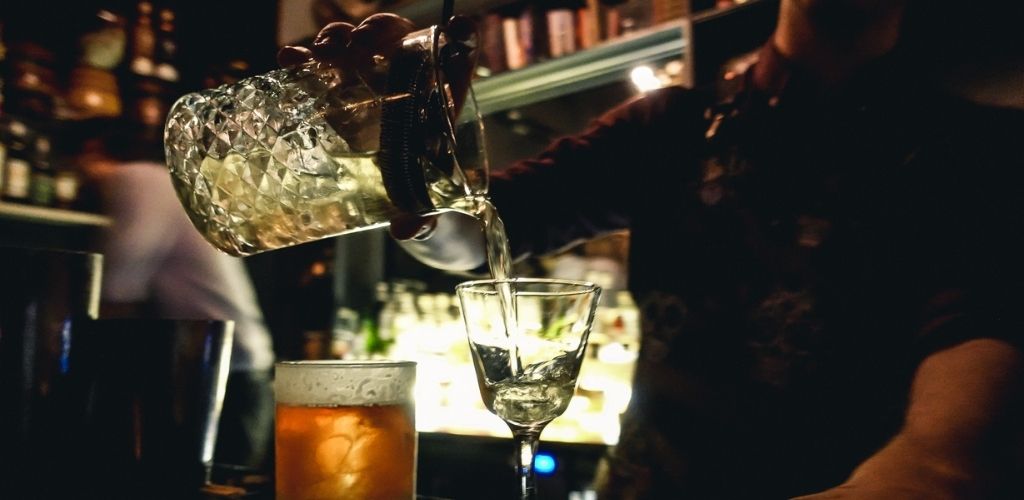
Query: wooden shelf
(50,216)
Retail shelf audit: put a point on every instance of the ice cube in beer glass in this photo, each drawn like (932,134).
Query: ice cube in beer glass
(345,430)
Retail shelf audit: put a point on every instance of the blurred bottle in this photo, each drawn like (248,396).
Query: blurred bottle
(66,183)
(148,100)
(3,150)
(315,292)
(612,18)
(533,32)
(93,89)
(588,24)
(381,312)
(315,345)
(31,91)
(3,124)
(93,93)
(17,170)
(386,321)
(166,48)
(3,74)
(41,191)
(315,298)
(72,149)
(492,44)
(143,41)
(347,340)
(561,27)
(407,317)
(42,293)
(515,51)
(667,10)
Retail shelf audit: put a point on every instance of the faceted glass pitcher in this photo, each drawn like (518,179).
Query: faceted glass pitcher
(305,153)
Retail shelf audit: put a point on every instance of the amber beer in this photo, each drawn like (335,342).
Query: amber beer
(345,430)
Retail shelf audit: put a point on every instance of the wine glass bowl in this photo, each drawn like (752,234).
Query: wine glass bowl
(527,338)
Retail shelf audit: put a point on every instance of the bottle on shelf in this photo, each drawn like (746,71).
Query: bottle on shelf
(166,48)
(347,340)
(3,125)
(17,171)
(561,28)
(588,24)
(666,10)
(3,151)
(314,298)
(492,44)
(66,183)
(3,74)
(31,91)
(534,32)
(41,191)
(516,53)
(373,320)
(148,103)
(93,90)
(143,41)
(612,18)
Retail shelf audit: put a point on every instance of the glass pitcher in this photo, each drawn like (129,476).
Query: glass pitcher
(310,152)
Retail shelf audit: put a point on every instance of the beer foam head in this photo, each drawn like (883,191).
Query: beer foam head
(344,383)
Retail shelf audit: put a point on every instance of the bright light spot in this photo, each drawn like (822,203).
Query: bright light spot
(674,68)
(616,398)
(578,404)
(93,99)
(610,435)
(544,463)
(614,352)
(644,79)
(106,15)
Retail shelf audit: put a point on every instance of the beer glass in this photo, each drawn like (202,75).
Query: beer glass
(345,430)
(528,337)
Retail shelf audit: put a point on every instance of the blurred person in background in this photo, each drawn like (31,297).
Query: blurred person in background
(827,262)
(157,265)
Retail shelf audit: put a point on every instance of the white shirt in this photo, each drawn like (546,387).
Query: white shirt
(153,253)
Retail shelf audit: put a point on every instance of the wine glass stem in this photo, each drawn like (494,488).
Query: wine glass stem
(526,447)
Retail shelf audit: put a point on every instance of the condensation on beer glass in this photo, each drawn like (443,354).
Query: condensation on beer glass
(345,429)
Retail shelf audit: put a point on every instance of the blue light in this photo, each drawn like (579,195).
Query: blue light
(544,463)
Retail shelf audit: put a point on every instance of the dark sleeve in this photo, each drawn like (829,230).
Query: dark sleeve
(589,184)
(975,260)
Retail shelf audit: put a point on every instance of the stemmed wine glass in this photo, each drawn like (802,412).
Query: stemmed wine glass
(528,338)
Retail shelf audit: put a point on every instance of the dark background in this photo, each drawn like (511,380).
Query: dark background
(971,47)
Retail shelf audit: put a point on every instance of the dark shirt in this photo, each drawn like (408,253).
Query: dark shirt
(793,264)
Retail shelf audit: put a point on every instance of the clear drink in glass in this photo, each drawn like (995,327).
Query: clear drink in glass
(528,338)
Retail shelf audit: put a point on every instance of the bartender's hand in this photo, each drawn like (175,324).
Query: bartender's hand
(366,50)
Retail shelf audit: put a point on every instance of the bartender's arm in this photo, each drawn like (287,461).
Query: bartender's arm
(961,420)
